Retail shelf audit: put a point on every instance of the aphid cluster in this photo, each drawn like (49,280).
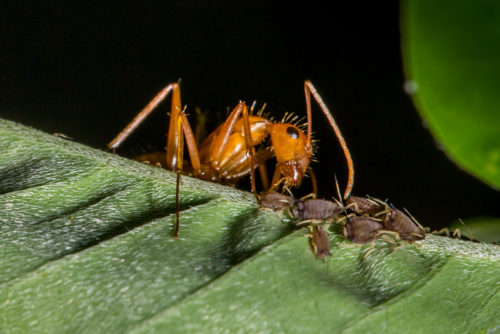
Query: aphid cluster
(364,219)
(373,217)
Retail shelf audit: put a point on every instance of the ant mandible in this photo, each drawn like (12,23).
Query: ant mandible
(227,154)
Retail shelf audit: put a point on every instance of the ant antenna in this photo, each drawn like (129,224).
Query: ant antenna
(309,89)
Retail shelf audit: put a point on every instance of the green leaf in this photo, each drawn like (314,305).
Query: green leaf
(450,50)
(86,246)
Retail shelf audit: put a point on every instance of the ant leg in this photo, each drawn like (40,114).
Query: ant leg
(178,171)
(175,149)
(309,89)
(200,129)
(314,180)
(184,132)
(178,130)
(221,140)
(250,144)
(174,138)
(190,138)
(264,179)
(120,138)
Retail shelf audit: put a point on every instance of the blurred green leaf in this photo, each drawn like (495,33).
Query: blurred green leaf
(86,247)
(451,52)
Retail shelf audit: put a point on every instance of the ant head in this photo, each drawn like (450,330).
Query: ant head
(292,150)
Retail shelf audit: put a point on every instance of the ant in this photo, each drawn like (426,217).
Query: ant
(228,153)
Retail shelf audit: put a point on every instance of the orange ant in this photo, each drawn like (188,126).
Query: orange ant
(227,154)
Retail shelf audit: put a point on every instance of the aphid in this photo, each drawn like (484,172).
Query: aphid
(391,218)
(228,153)
(320,242)
(316,209)
(457,233)
(276,201)
(406,228)
(362,229)
(365,205)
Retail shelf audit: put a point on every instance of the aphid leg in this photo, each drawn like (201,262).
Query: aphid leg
(370,250)
(382,213)
(391,242)
(473,236)
(310,234)
(457,233)
(343,219)
(383,234)
(306,222)
(420,248)
(120,138)
(444,231)
(309,89)
(349,245)
(311,195)
(288,191)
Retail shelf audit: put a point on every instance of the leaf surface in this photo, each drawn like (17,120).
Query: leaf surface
(86,246)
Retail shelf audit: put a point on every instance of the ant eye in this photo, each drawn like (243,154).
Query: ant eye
(292,132)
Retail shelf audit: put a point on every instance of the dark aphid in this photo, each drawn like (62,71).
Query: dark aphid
(407,229)
(364,205)
(362,229)
(276,201)
(317,209)
(320,242)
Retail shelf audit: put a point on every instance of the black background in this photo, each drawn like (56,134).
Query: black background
(85,71)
